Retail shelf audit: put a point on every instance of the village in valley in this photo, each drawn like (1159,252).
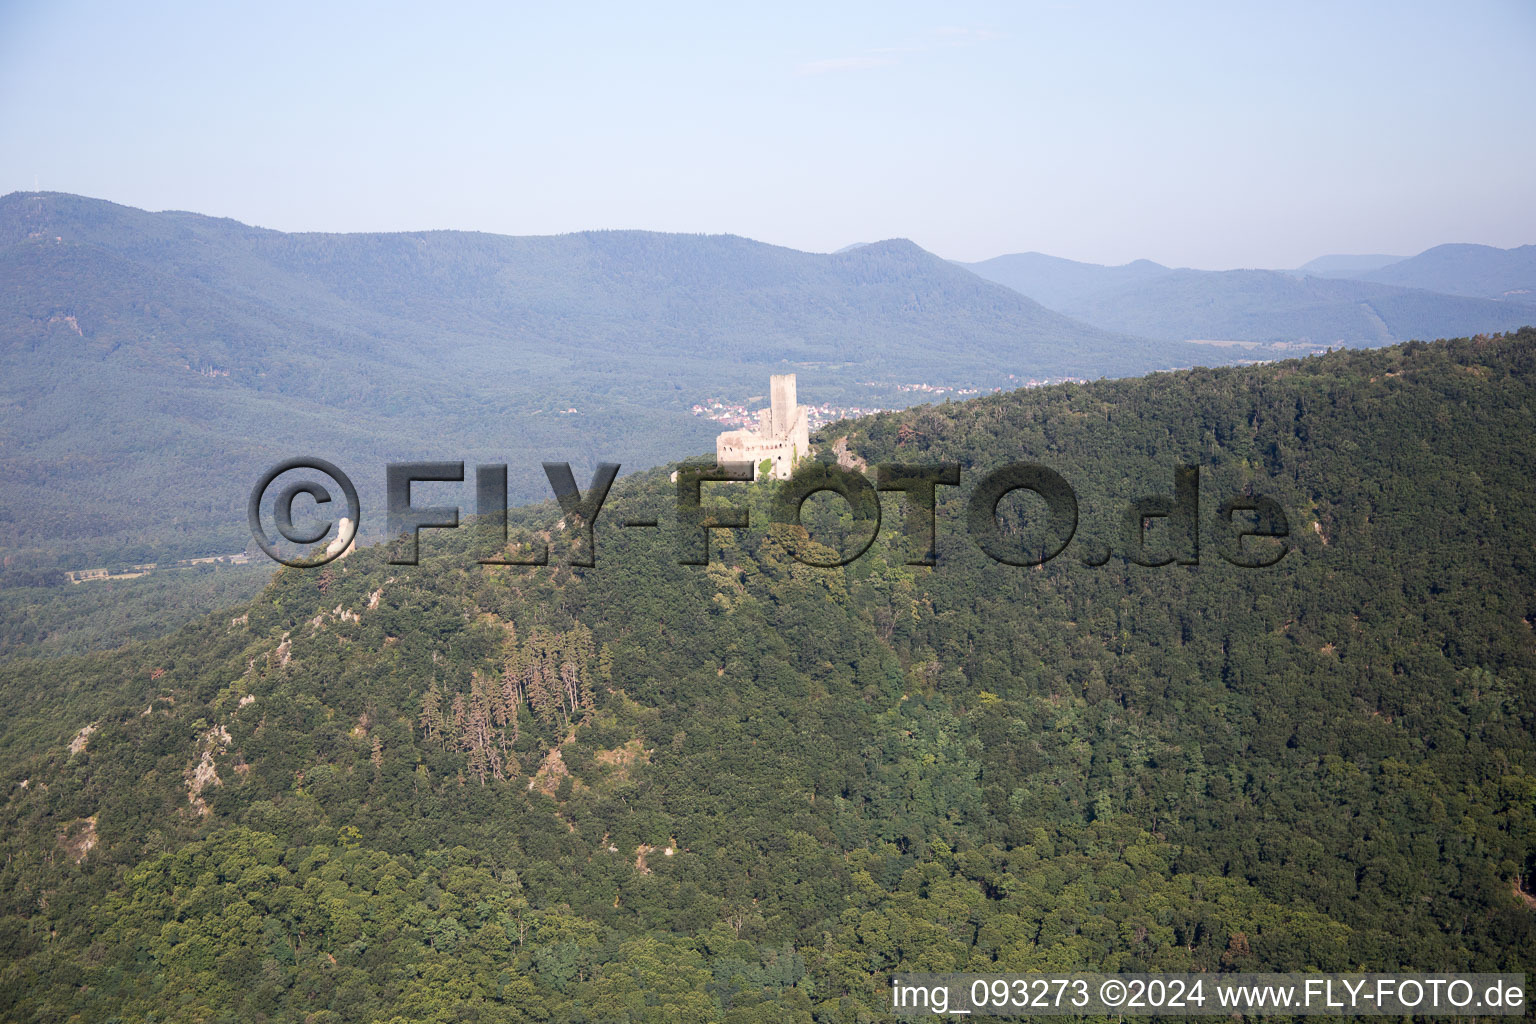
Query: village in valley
(734,413)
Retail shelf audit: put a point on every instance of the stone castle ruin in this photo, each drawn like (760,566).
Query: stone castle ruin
(781,437)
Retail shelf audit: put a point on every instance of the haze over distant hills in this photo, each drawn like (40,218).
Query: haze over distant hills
(156,363)
(1477,270)
(1334,300)
(1345,265)
(1057,282)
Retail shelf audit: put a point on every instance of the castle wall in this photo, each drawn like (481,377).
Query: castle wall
(783,435)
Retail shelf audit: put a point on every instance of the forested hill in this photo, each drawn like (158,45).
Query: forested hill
(747,792)
(1477,270)
(613,294)
(1448,288)
(156,363)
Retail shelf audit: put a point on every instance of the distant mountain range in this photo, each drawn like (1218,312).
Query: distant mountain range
(1058,283)
(1342,265)
(1334,300)
(1476,270)
(156,363)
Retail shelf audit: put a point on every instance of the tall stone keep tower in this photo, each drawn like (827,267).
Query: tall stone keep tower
(781,400)
(782,436)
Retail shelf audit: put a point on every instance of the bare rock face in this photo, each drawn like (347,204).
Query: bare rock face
(79,839)
(551,771)
(846,458)
(82,737)
(201,773)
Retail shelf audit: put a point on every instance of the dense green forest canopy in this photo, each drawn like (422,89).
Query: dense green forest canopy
(42,614)
(748,791)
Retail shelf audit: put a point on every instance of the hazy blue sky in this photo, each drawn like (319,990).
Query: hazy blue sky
(1228,134)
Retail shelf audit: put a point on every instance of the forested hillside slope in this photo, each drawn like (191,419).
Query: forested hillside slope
(747,791)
